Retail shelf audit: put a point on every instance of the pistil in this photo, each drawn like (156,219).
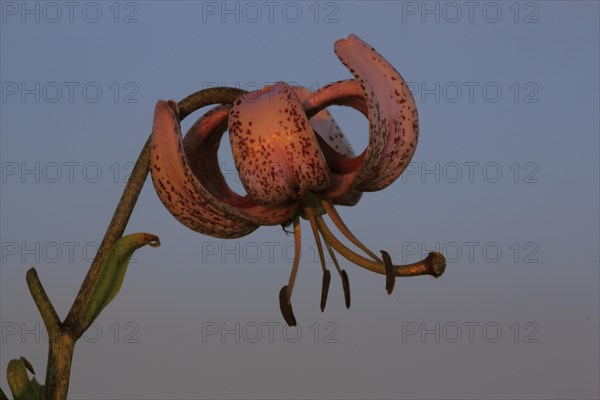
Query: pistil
(434,264)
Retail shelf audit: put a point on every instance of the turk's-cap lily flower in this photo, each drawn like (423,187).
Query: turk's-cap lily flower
(293,161)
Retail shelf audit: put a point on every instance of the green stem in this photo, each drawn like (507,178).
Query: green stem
(63,336)
(113,233)
(58,372)
(129,198)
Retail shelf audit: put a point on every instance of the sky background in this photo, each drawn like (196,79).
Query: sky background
(505,182)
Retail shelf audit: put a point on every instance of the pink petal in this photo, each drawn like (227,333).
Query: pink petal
(179,190)
(274,147)
(393,119)
(381,93)
(325,125)
(201,144)
(335,146)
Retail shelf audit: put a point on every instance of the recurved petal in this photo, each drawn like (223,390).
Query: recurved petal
(379,92)
(393,120)
(274,147)
(325,126)
(335,146)
(178,188)
(201,144)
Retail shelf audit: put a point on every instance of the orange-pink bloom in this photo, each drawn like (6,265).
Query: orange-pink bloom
(293,159)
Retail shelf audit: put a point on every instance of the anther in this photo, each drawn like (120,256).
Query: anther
(325,289)
(285,295)
(310,215)
(390,277)
(346,285)
(286,307)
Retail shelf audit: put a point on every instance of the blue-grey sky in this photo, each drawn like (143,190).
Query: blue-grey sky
(505,182)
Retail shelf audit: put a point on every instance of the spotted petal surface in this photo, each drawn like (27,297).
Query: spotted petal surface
(201,144)
(280,154)
(177,187)
(326,126)
(335,146)
(391,110)
(274,147)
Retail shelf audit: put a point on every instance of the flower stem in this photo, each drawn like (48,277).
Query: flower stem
(63,336)
(129,198)
(58,372)
(113,233)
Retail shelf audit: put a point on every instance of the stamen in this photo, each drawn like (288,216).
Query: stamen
(434,264)
(390,278)
(325,289)
(343,274)
(285,294)
(313,224)
(326,274)
(346,286)
(297,252)
(286,307)
(339,223)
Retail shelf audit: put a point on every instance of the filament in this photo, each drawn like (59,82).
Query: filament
(339,223)
(297,252)
(315,229)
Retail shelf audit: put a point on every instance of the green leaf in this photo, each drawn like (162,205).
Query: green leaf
(113,272)
(21,387)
